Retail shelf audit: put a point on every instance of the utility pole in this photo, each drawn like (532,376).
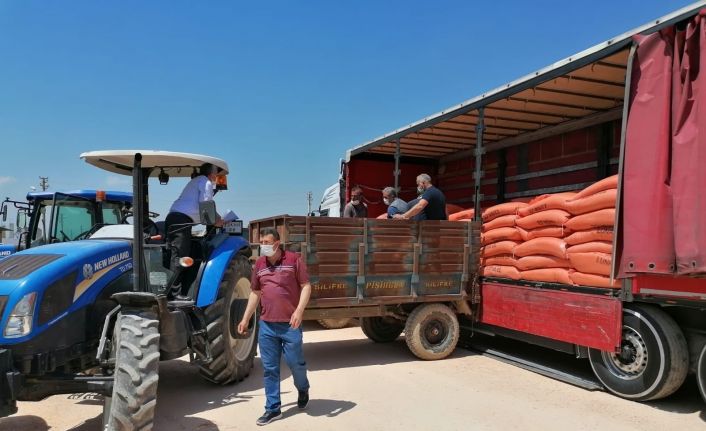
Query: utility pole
(308,200)
(44,183)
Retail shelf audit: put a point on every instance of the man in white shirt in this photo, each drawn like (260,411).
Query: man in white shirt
(183,213)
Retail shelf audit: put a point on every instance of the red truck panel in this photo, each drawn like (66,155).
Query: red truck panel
(587,320)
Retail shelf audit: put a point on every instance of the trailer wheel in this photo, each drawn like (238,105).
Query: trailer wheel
(653,360)
(334,323)
(232,355)
(381,329)
(131,406)
(432,331)
(701,372)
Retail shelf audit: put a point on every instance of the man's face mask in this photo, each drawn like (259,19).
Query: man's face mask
(387,201)
(355,199)
(420,188)
(268,249)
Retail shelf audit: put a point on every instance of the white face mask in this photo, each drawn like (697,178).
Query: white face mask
(355,202)
(420,189)
(386,200)
(267,250)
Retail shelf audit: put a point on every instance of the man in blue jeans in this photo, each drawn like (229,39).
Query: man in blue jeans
(280,282)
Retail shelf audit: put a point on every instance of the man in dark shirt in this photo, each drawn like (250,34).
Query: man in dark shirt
(432,203)
(280,280)
(356,207)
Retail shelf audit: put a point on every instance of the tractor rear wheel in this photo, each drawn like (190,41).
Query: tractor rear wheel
(232,355)
(136,347)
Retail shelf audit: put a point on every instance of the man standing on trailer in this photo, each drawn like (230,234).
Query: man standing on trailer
(395,205)
(356,207)
(432,203)
(281,281)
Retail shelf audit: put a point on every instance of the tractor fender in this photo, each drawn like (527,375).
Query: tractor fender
(216,267)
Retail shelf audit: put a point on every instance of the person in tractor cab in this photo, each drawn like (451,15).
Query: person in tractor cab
(281,282)
(182,214)
(432,202)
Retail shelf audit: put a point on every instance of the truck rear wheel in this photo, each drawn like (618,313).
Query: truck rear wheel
(381,329)
(136,346)
(653,359)
(432,331)
(701,372)
(334,323)
(232,355)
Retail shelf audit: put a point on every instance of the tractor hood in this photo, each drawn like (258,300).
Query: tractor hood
(43,265)
(64,276)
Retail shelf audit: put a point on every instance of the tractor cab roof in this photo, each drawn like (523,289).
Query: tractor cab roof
(172,163)
(113,196)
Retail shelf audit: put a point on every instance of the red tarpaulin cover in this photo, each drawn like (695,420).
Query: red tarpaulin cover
(689,147)
(646,203)
(664,178)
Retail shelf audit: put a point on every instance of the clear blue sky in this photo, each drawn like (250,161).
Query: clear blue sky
(280,90)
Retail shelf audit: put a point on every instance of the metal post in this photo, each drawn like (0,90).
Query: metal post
(138,284)
(397,167)
(478,175)
(621,166)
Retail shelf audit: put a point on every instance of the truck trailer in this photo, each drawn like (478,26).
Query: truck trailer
(625,107)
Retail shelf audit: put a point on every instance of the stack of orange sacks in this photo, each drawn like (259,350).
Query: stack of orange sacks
(590,246)
(542,254)
(559,238)
(499,239)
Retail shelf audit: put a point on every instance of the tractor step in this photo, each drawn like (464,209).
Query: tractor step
(180,304)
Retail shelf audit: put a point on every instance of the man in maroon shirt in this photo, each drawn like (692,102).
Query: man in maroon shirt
(281,283)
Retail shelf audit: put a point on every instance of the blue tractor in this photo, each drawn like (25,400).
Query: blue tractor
(96,315)
(49,217)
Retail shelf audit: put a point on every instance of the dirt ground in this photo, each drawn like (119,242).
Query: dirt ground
(359,385)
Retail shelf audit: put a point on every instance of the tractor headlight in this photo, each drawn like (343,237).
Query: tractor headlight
(19,322)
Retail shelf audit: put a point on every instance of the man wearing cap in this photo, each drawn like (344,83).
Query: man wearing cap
(183,213)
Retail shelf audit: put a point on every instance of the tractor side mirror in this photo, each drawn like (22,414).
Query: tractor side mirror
(3,211)
(22,220)
(207,211)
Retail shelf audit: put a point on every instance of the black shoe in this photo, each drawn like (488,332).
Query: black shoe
(303,399)
(269,417)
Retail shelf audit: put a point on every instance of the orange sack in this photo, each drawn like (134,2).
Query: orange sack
(502,260)
(547,275)
(556,201)
(462,215)
(501,271)
(549,231)
(604,184)
(498,248)
(593,246)
(500,234)
(528,263)
(592,220)
(550,246)
(604,233)
(496,211)
(583,279)
(591,263)
(595,202)
(544,218)
(502,221)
